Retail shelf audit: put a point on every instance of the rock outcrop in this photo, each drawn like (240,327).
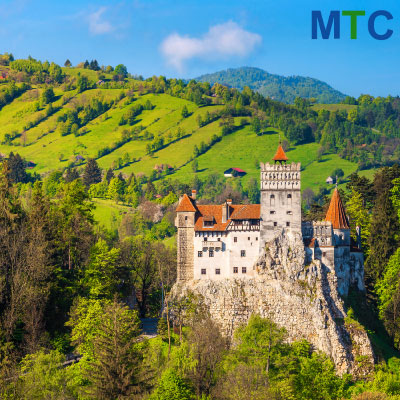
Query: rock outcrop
(296,293)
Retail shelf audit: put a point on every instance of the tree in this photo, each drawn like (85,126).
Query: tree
(102,275)
(116,189)
(16,168)
(317,380)
(195,165)
(185,112)
(48,96)
(388,291)
(261,341)
(207,347)
(359,217)
(115,371)
(74,221)
(71,174)
(139,258)
(109,175)
(253,191)
(308,196)
(42,378)
(338,172)
(172,386)
(383,241)
(92,173)
(67,63)
(256,125)
(121,71)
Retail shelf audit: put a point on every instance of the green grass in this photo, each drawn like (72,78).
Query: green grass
(243,149)
(109,214)
(333,107)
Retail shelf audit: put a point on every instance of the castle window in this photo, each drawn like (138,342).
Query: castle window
(235,270)
(272,200)
(272,212)
(289,196)
(324,254)
(248,238)
(242,253)
(203,271)
(211,253)
(275,223)
(217,271)
(219,239)
(244,270)
(235,239)
(186,218)
(287,223)
(205,238)
(256,238)
(289,212)
(199,254)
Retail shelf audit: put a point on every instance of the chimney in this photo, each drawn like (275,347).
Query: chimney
(224,212)
(194,192)
(228,203)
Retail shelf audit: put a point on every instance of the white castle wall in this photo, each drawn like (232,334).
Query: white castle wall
(227,254)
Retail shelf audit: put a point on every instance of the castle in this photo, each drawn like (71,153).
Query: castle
(225,241)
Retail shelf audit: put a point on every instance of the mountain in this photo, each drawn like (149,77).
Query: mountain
(277,87)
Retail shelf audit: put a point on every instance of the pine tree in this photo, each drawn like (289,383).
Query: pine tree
(67,63)
(92,173)
(71,175)
(385,226)
(109,175)
(16,167)
(115,372)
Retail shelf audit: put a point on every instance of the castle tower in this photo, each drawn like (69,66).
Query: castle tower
(280,197)
(185,221)
(340,224)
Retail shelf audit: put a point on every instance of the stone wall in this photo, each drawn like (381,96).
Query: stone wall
(302,298)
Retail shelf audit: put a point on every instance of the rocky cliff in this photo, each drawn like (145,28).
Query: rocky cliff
(300,295)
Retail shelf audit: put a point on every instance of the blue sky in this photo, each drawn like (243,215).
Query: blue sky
(189,38)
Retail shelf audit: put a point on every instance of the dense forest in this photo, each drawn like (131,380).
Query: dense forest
(277,87)
(74,293)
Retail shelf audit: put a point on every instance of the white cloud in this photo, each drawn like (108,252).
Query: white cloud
(221,41)
(97,25)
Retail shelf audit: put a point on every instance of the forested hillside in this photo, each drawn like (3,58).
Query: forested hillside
(93,163)
(277,87)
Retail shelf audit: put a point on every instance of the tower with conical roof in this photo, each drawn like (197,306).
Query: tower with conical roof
(280,196)
(337,216)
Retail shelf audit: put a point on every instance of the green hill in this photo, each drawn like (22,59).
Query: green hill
(57,118)
(277,87)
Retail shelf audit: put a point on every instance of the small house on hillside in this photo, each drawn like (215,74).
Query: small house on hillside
(230,172)
(330,180)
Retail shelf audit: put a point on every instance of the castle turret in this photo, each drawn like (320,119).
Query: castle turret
(280,196)
(185,220)
(340,224)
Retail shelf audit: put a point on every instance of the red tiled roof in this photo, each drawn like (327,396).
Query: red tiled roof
(336,213)
(248,211)
(186,204)
(239,170)
(239,211)
(280,155)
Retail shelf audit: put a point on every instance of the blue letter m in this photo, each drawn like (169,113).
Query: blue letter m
(334,19)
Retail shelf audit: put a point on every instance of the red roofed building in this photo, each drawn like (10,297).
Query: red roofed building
(230,172)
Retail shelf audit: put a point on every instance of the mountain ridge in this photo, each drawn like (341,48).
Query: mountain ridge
(277,87)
